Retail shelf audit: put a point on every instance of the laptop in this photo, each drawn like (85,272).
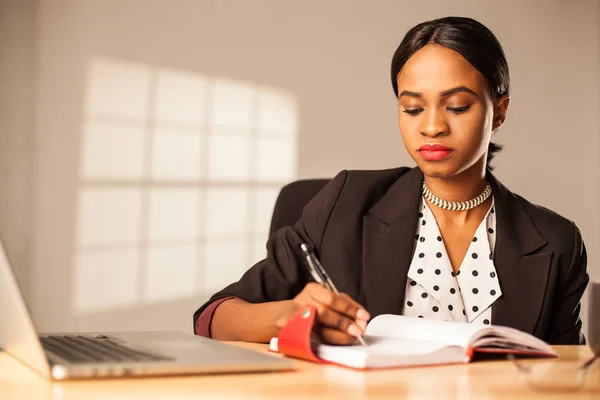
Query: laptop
(63,356)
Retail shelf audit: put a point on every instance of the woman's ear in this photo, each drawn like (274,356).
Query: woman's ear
(500,110)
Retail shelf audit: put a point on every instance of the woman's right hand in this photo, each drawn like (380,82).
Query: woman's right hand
(340,320)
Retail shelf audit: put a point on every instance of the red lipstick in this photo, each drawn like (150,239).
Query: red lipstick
(435,152)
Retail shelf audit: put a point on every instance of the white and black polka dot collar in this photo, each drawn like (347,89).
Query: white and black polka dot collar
(434,291)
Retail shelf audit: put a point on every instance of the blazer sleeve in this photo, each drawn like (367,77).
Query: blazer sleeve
(565,322)
(282,274)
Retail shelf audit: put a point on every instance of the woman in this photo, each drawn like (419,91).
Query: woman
(445,240)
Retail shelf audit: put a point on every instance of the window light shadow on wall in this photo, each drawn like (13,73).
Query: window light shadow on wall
(179,173)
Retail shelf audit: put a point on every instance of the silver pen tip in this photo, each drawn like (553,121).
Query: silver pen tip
(304,247)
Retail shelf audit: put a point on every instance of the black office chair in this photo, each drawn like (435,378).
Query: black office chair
(292,199)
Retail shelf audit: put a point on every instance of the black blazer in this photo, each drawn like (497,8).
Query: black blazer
(363,224)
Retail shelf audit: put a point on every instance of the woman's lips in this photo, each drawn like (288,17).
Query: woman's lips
(435,152)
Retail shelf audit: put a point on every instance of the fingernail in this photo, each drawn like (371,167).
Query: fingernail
(354,330)
(363,314)
(362,324)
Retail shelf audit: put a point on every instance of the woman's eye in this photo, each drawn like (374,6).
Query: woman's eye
(413,111)
(458,110)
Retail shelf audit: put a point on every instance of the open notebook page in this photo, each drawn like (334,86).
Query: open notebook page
(454,333)
(424,330)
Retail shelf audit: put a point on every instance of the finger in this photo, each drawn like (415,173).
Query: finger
(333,319)
(362,324)
(333,336)
(342,304)
(361,313)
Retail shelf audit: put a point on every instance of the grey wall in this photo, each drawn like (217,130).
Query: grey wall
(17,55)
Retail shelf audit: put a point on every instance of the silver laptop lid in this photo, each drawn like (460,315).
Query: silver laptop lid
(18,336)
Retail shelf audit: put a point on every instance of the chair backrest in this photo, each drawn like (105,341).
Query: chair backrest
(292,199)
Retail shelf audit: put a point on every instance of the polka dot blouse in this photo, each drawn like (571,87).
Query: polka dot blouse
(434,291)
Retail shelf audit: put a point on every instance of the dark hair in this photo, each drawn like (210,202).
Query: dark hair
(471,39)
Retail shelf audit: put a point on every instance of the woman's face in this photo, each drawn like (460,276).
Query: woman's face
(445,112)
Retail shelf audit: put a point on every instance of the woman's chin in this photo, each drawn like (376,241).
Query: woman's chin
(438,169)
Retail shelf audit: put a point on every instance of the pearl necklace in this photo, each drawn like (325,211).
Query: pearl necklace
(457,205)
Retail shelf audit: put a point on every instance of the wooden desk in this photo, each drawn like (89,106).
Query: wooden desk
(480,380)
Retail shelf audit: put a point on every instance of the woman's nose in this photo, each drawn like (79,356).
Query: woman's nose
(434,124)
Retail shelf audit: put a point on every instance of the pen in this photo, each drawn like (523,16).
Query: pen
(320,275)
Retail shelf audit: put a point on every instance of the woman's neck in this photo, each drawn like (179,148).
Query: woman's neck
(462,187)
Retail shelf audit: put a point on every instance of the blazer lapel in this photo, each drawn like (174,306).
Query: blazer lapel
(388,241)
(522,273)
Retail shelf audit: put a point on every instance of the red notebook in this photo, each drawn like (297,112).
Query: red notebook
(398,341)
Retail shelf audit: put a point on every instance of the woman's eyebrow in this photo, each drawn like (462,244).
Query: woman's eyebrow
(410,94)
(457,90)
(442,94)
